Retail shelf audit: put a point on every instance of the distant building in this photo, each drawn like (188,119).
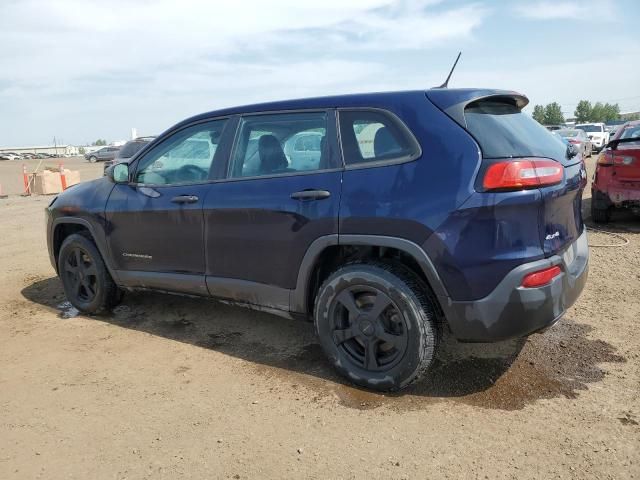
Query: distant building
(630,115)
(65,150)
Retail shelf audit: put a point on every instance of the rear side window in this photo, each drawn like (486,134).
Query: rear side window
(503,131)
(370,136)
(278,144)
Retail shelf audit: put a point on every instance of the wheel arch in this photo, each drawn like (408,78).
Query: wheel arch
(64,226)
(327,253)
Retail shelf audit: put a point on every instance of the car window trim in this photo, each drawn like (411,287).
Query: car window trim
(330,112)
(388,161)
(147,149)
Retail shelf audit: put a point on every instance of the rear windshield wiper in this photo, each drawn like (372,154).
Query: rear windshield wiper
(613,144)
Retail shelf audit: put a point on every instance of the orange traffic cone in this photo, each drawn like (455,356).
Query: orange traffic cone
(25,179)
(63,178)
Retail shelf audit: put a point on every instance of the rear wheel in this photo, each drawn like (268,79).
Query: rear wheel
(85,279)
(600,215)
(377,325)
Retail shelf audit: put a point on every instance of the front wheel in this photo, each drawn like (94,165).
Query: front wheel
(85,279)
(377,325)
(93,159)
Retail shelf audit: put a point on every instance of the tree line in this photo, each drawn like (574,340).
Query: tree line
(551,114)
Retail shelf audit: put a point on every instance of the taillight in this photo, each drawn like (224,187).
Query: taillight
(541,277)
(605,158)
(622,160)
(523,173)
(574,142)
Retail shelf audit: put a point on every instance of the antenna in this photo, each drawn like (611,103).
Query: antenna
(446,82)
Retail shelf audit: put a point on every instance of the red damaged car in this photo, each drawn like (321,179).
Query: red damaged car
(616,183)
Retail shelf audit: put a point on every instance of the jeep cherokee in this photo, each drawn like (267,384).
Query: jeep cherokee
(385,218)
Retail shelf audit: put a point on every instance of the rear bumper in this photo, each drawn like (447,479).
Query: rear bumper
(511,311)
(616,195)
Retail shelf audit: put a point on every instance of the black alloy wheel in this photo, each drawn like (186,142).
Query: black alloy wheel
(376,324)
(81,274)
(85,278)
(368,328)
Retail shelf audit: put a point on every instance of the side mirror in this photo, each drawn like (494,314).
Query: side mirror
(119,173)
(572,151)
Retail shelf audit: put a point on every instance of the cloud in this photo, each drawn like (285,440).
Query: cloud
(101,64)
(595,10)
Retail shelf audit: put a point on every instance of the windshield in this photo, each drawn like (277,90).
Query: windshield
(131,148)
(503,131)
(590,128)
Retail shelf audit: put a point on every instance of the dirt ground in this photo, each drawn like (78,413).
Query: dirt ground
(170,387)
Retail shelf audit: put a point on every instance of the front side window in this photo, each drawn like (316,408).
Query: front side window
(280,144)
(185,157)
(373,136)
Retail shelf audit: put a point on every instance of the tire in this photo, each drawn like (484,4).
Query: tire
(93,159)
(386,351)
(89,288)
(600,215)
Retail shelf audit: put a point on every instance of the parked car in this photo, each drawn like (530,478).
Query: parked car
(393,235)
(597,133)
(579,139)
(572,150)
(129,150)
(616,181)
(102,155)
(10,156)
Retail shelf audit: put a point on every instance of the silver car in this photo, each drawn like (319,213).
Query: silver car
(579,139)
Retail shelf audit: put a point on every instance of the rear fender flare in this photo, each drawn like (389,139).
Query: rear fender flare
(298,300)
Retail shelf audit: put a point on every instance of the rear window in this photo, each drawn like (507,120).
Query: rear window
(503,131)
(131,148)
(631,132)
(568,133)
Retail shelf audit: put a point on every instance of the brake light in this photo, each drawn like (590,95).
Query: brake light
(520,174)
(605,158)
(622,160)
(541,277)
(574,142)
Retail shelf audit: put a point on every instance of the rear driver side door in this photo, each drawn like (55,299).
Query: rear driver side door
(274,203)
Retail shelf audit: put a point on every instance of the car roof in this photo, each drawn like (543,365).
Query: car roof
(443,97)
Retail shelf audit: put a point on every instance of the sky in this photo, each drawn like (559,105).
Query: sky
(79,70)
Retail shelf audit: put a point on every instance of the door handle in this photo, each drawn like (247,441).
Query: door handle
(311,195)
(185,199)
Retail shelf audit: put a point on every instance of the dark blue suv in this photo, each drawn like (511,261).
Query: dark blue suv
(386,218)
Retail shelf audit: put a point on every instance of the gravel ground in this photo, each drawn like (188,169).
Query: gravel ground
(171,387)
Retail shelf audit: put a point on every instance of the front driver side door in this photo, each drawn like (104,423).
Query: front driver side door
(155,223)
